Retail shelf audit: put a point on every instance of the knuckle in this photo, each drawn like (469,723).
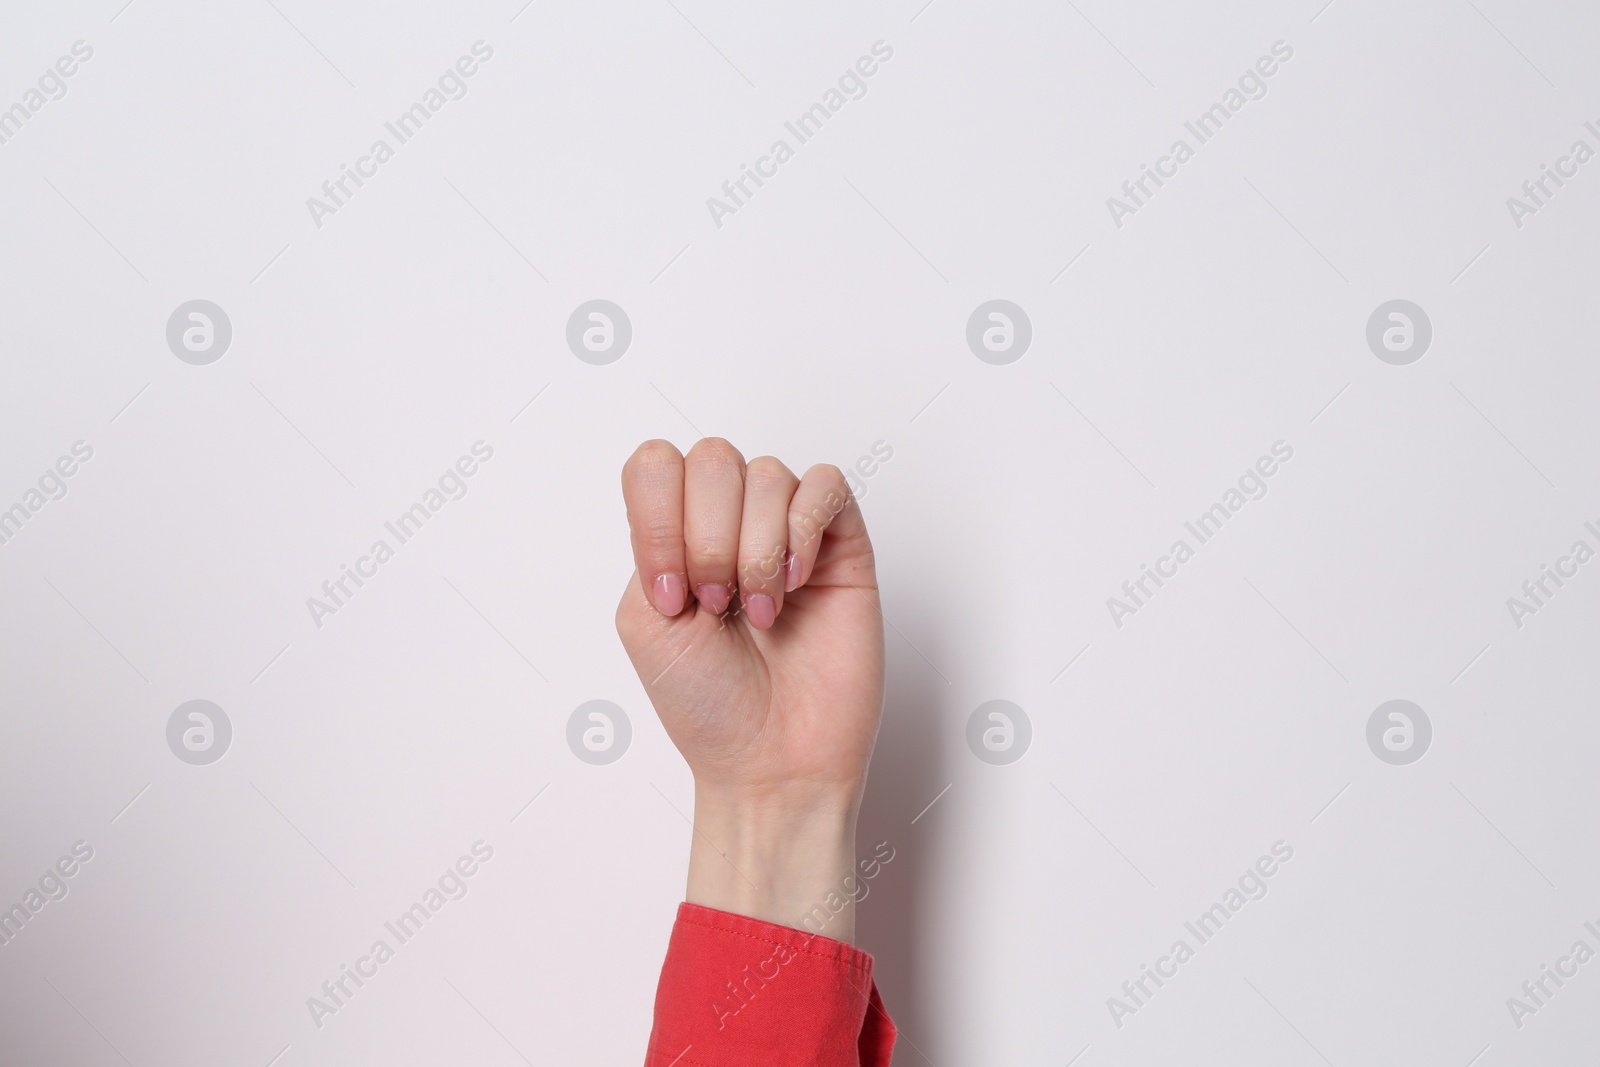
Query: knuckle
(712,551)
(806,525)
(660,534)
(761,564)
(652,457)
(765,473)
(826,473)
(716,454)
(625,619)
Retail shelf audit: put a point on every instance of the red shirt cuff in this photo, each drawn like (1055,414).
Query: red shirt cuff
(737,991)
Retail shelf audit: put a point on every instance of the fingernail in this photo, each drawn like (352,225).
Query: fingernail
(791,574)
(669,594)
(714,598)
(762,609)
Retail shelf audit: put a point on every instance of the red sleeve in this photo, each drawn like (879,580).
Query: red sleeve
(737,991)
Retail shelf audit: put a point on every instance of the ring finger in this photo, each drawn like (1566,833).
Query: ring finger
(764,539)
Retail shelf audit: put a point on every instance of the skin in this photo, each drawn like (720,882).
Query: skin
(752,619)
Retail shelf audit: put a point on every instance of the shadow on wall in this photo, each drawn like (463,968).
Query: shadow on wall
(910,766)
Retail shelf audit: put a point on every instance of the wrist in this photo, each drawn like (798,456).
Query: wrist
(784,856)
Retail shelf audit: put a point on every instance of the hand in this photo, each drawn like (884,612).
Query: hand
(753,621)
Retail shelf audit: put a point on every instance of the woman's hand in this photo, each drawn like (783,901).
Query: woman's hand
(752,619)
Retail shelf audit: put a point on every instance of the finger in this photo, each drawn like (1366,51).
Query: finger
(713,500)
(764,538)
(652,487)
(822,504)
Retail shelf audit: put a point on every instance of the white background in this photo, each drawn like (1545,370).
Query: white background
(827,314)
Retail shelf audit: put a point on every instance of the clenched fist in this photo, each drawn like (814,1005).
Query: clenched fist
(752,619)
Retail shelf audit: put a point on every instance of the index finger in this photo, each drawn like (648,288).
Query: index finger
(652,489)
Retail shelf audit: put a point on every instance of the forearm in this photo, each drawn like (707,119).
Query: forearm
(787,859)
(760,968)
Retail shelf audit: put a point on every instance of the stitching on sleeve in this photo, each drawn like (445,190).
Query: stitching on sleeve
(847,960)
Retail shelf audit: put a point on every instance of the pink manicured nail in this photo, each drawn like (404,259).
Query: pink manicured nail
(669,594)
(763,611)
(791,574)
(714,598)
